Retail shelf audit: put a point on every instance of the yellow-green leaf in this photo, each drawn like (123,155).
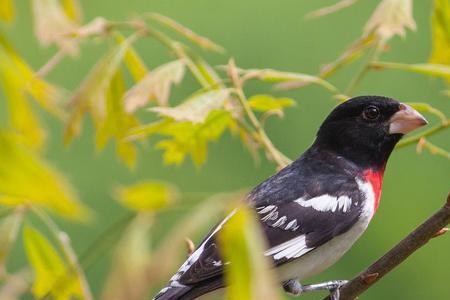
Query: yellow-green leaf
(248,274)
(196,108)
(52,275)
(155,85)
(188,33)
(27,179)
(440,22)
(116,122)
(91,94)
(7,10)
(192,138)
(133,61)
(51,25)
(72,9)
(426,69)
(266,103)
(390,18)
(146,195)
(9,227)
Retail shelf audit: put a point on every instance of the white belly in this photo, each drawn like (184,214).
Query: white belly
(321,258)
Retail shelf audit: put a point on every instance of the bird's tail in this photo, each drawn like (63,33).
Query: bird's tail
(173,293)
(189,292)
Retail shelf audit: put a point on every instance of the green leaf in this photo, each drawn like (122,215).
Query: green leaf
(27,179)
(248,274)
(196,108)
(155,86)
(192,138)
(426,69)
(146,196)
(266,103)
(186,32)
(7,10)
(51,25)
(9,227)
(51,272)
(440,22)
(91,94)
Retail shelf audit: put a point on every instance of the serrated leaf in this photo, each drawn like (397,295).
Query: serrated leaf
(91,94)
(27,179)
(51,25)
(390,18)
(133,61)
(128,276)
(440,22)
(266,103)
(72,10)
(116,122)
(7,10)
(51,272)
(187,138)
(248,274)
(146,196)
(188,33)
(426,69)
(196,108)
(9,228)
(155,85)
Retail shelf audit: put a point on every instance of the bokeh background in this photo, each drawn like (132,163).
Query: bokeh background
(262,34)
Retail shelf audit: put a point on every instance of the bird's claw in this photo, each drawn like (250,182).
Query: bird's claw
(334,287)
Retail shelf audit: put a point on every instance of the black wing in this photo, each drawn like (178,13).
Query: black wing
(292,226)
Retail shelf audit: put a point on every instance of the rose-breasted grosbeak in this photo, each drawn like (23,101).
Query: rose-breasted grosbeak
(312,211)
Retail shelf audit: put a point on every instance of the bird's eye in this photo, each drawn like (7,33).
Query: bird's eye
(371,113)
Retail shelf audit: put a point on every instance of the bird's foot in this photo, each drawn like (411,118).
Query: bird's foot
(294,287)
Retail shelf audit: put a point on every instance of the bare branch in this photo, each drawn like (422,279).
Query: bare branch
(432,227)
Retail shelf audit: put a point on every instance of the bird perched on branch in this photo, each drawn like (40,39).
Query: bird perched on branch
(312,211)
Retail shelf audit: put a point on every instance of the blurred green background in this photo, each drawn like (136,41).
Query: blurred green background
(263,34)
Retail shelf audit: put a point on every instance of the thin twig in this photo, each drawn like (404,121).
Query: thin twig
(416,239)
(280,159)
(416,138)
(51,63)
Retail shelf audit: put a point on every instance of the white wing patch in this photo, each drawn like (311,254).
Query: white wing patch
(281,222)
(291,249)
(327,203)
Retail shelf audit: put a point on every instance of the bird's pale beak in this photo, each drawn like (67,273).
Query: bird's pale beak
(405,120)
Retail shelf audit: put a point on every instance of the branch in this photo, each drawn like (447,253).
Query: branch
(432,227)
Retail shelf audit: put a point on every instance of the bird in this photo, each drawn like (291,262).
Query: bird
(312,211)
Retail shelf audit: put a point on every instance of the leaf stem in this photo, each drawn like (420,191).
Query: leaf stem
(373,56)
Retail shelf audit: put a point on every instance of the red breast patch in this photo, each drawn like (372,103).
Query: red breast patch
(375,178)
